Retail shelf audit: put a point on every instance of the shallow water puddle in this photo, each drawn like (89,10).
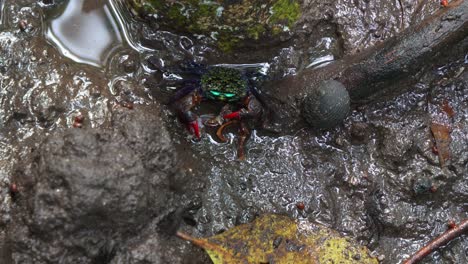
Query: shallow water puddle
(85,31)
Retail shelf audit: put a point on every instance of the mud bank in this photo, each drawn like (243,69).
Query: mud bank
(86,195)
(115,190)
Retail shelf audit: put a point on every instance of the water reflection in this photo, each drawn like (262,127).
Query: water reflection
(2,7)
(86,31)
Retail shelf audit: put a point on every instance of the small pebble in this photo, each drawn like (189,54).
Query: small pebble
(13,189)
(300,206)
(128,64)
(23,25)
(451,224)
(435,150)
(78,121)
(128,105)
(422,185)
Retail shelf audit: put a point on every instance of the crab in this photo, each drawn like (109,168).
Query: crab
(226,85)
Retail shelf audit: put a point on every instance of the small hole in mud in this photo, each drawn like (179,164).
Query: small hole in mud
(189,221)
(106,254)
(220,231)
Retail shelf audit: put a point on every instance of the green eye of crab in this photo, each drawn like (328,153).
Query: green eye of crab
(215,93)
(229,95)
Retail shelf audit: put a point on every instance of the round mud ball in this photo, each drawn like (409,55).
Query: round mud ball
(326,105)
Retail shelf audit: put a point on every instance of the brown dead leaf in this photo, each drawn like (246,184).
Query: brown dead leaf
(448,109)
(442,137)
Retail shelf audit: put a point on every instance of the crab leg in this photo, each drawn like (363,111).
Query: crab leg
(244,133)
(183,108)
(252,109)
(219,132)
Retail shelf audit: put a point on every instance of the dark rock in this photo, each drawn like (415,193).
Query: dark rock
(327,105)
(88,191)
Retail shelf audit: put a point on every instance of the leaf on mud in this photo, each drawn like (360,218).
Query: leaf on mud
(280,239)
(448,109)
(442,137)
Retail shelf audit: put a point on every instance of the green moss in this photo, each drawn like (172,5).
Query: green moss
(237,24)
(276,30)
(256,31)
(285,10)
(204,10)
(203,18)
(227,42)
(175,15)
(157,4)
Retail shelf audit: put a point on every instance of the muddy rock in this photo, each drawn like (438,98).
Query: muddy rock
(87,191)
(326,105)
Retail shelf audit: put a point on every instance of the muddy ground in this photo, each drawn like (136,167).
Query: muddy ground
(115,190)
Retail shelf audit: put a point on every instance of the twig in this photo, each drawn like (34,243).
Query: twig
(402,10)
(205,244)
(441,240)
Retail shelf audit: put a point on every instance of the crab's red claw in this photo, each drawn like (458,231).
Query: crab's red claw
(233,115)
(194,128)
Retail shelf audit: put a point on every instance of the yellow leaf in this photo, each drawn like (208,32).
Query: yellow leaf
(280,239)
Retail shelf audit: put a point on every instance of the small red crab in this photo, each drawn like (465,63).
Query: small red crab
(225,85)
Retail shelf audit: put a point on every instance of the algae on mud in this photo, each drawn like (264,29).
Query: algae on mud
(231,24)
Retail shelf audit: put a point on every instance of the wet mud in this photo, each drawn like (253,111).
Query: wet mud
(104,172)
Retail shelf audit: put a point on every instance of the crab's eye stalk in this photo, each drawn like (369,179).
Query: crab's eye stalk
(229,95)
(215,93)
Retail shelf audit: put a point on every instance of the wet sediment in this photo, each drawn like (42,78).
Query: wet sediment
(370,178)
